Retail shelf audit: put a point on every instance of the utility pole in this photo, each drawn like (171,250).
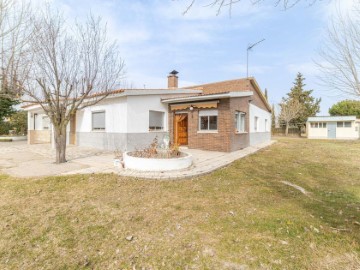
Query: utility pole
(247,55)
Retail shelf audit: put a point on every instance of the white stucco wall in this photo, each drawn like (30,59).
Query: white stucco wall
(255,111)
(37,117)
(347,133)
(115,116)
(341,133)
(138,112)
(316,133)
(123,115)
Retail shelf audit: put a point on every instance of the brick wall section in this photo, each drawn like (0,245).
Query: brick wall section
(172,81)
(226,139)
(219,141)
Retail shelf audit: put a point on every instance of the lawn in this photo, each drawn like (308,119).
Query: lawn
(239,217)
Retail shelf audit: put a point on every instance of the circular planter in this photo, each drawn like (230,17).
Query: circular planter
(157,164)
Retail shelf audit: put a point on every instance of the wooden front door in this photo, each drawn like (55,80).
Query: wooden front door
(181,129)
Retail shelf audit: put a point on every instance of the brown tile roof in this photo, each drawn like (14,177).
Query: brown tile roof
(224,86)
(243,84)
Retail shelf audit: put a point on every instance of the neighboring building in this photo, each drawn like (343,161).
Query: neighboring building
(223,116)
(333,127)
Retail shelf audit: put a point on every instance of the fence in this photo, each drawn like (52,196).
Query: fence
(293,131)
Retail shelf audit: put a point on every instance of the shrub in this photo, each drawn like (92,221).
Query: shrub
(5,127)
(19,122)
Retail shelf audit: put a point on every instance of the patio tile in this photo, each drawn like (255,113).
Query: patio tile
(22,160)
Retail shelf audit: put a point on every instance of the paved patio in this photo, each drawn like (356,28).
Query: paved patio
(19,159)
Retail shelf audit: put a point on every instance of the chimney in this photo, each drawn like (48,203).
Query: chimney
(173,80)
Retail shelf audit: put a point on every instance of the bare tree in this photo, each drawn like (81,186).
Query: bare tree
(70,69)
(289,110)
(340,54)
(14,35)
(228,4)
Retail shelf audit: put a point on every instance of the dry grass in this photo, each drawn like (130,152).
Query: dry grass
(239,217)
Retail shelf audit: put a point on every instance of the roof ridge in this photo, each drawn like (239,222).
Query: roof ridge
(231,80)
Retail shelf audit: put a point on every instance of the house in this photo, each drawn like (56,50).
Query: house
(222,116)
(333,127)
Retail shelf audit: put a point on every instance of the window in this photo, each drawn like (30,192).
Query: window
(256,120)
(266,121)
(208,120)
(98,120)
(156,120)
(318,125)
(240,121)
(344,124)
(45,122)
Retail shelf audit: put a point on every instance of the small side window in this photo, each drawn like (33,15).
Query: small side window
(240,121)
(98,120)
(156,120)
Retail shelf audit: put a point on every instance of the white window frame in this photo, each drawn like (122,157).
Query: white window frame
(92,121)
(342,125)
(318,124)
(156,129)
(240,122)
(208,114)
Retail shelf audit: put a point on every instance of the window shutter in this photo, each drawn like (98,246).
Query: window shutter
(98,120)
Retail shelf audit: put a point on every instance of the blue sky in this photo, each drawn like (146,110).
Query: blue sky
(155,38)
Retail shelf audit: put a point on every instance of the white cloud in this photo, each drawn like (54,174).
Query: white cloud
(331,9)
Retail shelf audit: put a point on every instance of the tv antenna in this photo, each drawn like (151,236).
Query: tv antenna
(247,55)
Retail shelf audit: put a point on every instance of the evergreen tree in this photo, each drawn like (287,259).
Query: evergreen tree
(273,117)
(311,106)
(346,107)
(8,99)
(6,107)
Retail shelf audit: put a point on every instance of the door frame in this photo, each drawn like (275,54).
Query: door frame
(331,127)
(175,125)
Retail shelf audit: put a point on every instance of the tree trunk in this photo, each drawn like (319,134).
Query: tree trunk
(287,129)
(60,144)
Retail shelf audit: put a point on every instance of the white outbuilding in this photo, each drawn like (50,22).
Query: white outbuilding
(333,127)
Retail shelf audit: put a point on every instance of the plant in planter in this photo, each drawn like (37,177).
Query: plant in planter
(155,158)
(154,151)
